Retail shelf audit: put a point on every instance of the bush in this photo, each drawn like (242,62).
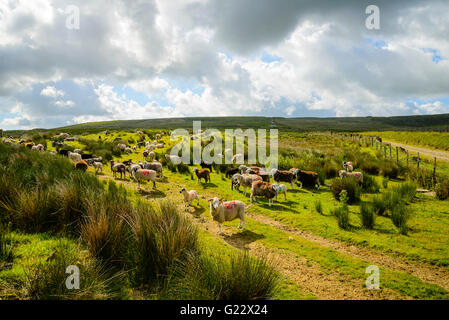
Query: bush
(240,277)
(370,166)
(342,212)
(370,184)
(389,169)
(422,177)
(330,170)
(351,186)
(406,191)
(183,168)
(385,181)
(367,215)
(442,190)
(399,217)
(380,205)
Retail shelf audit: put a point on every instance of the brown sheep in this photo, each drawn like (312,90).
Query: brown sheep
(262,189)
(81,165)
(202,174)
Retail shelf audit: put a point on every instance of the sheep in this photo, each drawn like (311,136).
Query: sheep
(255,170)
(173,158)
(188,197)
(152,155)
(92,160)
(75,157)
(262,189)
(283,176)
(128,150)
(77,151)
(121,146)
(206,165)
(358,176)
(202,174)
(227,211)
(160,145)
(145,153)
(86,156)
(98,166)
(64,153)
(144,174)
(155,165)
(307,178)
(81,165)
(348,166)
(118,167)
(158,136)
(280,188)
(231,171)
(39,147)
(29,145)
(130,167)
(244,180)
(134,148)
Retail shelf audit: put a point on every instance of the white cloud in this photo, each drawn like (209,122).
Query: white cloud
(52,92)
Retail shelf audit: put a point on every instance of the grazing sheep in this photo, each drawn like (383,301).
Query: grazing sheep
(81,165)
(86,156)
(244,180)
(173,158)
(280,188)
(152,155)
(358,176)
(121,146)
(29,145)
(206,165)
(227,211)
(160,145)
(127,162)
(128,150)
(98,166)
(347,165)
(131,166)
(77,151)
(75,157)
(145,153)
(64,153)
(202,174)
(231,171)
(188,197)
(91,161)
(307,178)
(283,176)
(262,189)
(158,136)
(144,174)
(118,167)
(155,165)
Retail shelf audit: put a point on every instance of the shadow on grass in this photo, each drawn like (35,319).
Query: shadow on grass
(242,239)
(157,194)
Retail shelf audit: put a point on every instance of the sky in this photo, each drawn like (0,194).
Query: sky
(157,59)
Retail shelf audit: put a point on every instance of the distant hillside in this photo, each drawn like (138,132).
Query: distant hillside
(420,123)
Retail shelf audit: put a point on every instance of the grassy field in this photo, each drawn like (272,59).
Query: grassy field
(313,255)
(433,140)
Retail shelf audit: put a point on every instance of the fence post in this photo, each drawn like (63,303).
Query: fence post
(390,151)
(418,160)
(397,155)
(434,169)
(385,152)
(407,158)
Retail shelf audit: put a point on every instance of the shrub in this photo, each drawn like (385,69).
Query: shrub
(370,184)
(385,181)
(406,191)
(239,277)
(342,212)
(380,205)
(351,186)
(399,217)
(422,177)
(330,170)
(367,215)
(318,206)
(183,168)
(370,166)
(442,190)
(389,169)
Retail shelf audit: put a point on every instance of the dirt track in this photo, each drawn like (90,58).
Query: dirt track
(440,155)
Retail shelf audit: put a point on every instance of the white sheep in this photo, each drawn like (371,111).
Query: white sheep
(227,211)
(98,167)
(144,174)
(75,157)
(77,151)
(188,197)
(280,188)
(173,158)
(128,150)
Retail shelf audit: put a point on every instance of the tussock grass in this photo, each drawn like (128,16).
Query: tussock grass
(367,215)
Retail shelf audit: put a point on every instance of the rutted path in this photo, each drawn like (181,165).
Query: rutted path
(431,153)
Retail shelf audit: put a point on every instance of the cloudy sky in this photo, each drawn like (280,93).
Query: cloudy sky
(157,58)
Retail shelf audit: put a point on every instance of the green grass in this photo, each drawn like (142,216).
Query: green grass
(433,140)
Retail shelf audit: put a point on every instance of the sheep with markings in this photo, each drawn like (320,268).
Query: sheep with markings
(227,211)
(202,174)
(307,178)
(155,165)
(358,176)
(145,175)
(118,167)
(347,165)
(283,176)
(244,180)
(280,188)
(262,189)
(188,197)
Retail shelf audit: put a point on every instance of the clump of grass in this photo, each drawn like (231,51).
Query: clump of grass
(385,181)
(442,190)
(183,168)
(399,217)
(367,215)
(319,206)
(389,169)
(342,212)
(350,185)
(6,251)
(380,205)
(423,177)
(370,184)
(239,277)
(406,191)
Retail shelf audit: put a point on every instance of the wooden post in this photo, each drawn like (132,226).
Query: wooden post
(434,169)
(397,155)
(390,151)
(385,151)
(407,158)
(418,161)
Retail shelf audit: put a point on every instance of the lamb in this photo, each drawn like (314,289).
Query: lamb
(283,176)
(75,157)
(231,171)
(188,197)
(348,166)
(262,189)
(227,211)
(155,165)
(280,188)
(81,165)
(206,165)
(158,136)
(202,174)
(356,175)
(92,160)
(144,174)
(307,178)
(118,167)
(98,166)
(121,146)
(152,155)
(244,180)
